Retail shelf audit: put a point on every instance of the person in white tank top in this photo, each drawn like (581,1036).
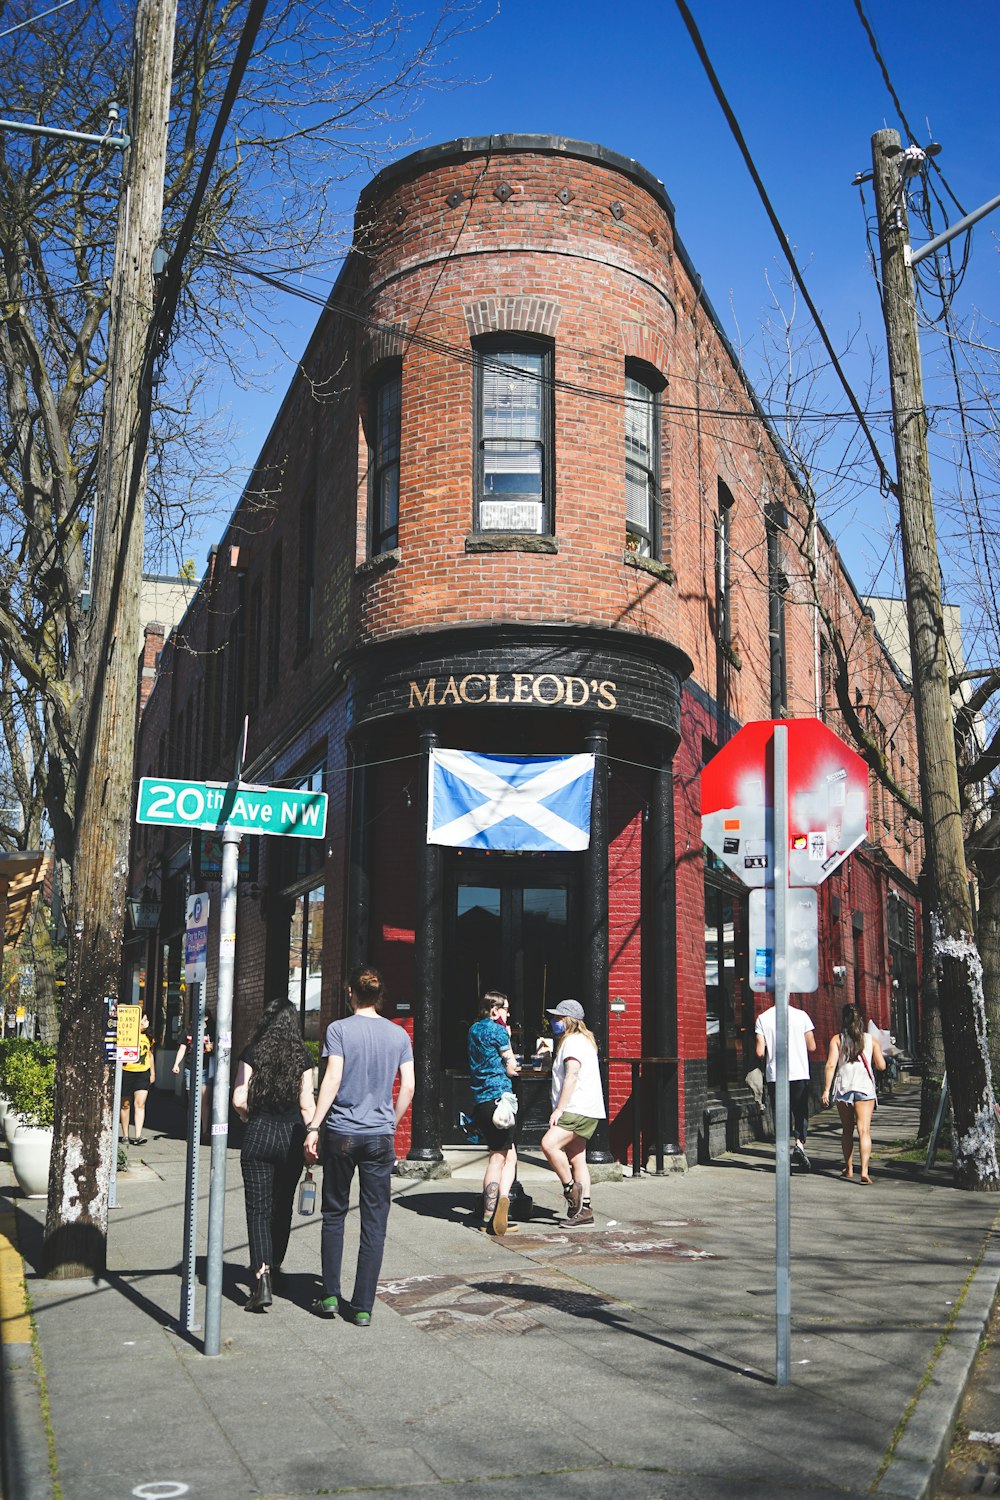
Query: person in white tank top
(851,1064)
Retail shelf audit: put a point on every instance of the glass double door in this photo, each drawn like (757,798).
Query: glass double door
(512,921)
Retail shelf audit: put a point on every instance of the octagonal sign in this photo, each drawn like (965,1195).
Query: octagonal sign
(827,802)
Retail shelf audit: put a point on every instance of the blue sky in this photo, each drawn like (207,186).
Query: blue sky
(808,93)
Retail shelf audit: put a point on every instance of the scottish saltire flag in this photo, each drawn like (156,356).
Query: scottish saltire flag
(529,802)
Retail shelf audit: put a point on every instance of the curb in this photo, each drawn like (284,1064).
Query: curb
(921,1451)
(24,1466)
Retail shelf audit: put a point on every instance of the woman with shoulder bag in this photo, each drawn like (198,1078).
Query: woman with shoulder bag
(853,1057)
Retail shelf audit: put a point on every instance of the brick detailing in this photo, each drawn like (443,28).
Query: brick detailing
(512,315)
(386,342)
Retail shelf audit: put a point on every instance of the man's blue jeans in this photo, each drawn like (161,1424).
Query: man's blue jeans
(374,1157)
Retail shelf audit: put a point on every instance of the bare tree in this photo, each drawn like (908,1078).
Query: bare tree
(324,91)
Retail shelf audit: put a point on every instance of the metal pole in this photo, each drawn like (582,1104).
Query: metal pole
(113,1184)
(916,256)
(197,1068)
(220,1093)
(782,1216)
(938,1122)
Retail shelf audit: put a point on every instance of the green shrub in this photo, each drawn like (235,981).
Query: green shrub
(312,1047)
(29,1075)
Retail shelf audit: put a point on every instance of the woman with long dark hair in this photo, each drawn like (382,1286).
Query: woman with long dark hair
(274,1094)
(850,1079)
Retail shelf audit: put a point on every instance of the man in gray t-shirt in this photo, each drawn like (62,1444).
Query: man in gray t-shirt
(364,1054)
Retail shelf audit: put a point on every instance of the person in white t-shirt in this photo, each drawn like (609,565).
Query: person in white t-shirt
(801,1042)
(577,1106)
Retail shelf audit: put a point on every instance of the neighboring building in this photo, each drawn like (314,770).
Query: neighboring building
(519,499)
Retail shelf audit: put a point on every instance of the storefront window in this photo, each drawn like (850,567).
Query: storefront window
(305,960)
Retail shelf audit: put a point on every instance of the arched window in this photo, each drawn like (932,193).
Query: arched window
(642,459)
(513,435)
(385,413)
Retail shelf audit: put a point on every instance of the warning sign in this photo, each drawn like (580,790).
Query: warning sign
(127,1032)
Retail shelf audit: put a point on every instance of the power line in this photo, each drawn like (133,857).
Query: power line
(888,483)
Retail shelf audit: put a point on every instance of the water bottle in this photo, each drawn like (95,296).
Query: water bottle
(307,1193)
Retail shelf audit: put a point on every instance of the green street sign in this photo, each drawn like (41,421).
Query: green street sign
(244,809)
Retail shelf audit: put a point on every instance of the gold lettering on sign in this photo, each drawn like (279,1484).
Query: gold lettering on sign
(558,688)
(550,689)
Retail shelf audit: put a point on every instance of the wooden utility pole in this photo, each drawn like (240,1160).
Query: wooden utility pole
(955,956)
(77,1220)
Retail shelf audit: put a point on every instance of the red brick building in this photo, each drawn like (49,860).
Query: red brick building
(519,498)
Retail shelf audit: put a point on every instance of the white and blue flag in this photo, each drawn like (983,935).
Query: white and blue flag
(531,802)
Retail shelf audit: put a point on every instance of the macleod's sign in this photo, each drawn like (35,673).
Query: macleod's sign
(530,689)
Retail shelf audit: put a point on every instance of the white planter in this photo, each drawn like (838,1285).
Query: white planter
(30,1151)
(11,1121)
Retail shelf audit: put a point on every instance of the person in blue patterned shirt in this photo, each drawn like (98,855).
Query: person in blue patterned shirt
(491,1065)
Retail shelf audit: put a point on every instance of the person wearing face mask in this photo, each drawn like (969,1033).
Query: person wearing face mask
(577,1106)
(491,1065)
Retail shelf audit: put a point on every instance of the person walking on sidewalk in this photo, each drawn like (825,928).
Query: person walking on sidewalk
(365,1053)
(274,1094)
(577,1106)
(136,1080)
(492,1065)
(850,1080)
(801,1043)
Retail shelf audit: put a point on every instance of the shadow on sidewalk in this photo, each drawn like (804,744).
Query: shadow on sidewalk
(594,1308)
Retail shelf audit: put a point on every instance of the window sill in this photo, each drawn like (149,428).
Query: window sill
(510,541)
(648,565)
(382,562)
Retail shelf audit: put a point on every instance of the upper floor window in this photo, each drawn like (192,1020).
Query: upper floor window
(384,428)
(775,525)
(514,436)
(642,461)
(274,622)
(307,571)
(723,568)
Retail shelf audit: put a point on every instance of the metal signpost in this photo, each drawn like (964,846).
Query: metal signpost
(195,969)
(234,809)
(783,804)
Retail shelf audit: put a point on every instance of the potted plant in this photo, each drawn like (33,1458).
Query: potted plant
(30,1078)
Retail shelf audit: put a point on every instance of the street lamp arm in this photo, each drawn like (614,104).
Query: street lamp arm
(914,257)
(17,126)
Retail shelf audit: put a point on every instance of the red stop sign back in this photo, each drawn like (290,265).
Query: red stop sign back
(827,802)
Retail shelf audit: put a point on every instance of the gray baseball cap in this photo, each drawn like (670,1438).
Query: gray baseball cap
(571,1008)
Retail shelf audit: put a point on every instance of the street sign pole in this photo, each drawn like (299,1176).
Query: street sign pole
(782,1164)
(113,1184)
(197,1064)
(220,1094)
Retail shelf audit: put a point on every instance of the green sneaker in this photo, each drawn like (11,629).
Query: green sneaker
(325,1307)
(359,1318)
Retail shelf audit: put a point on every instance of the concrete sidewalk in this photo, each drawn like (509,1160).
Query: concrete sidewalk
(632,1360)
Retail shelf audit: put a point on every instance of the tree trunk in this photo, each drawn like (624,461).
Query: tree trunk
(989,950)
(44,960)
(77,1219)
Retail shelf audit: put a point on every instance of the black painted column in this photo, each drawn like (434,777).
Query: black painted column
(660,922)
(426,1137)
(359,874)
(595,924)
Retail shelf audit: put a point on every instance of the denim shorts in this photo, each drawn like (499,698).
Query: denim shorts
(853,1096)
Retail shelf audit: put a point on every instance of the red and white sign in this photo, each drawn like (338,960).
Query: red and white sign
(827,802)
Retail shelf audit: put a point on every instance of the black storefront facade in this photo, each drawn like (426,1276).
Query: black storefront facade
(537,925)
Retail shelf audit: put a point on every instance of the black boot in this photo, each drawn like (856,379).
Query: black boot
(260,1298)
